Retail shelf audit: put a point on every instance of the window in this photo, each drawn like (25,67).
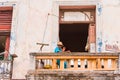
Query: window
(75,26)
(5,28)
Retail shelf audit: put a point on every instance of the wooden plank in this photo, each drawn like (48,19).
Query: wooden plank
(4,23)
(72,22)
(92,33)
(78,7)
(6,8)
(5,27)
(5,20)
(5,17)
(8,14)
(4,32)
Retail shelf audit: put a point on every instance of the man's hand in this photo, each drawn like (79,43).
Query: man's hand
(63,49)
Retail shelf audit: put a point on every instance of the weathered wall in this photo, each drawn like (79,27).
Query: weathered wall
(32,17)
(74,75)
(29,21)
(28,27)
(109,26)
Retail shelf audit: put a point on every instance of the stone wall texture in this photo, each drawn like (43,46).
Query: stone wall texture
(73,75)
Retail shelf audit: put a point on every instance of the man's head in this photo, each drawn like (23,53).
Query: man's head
(60,44)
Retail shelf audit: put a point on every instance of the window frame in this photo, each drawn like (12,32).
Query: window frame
(5,30)
(91,8)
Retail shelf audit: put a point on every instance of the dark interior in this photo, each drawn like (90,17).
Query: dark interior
(74,36)
(2,43)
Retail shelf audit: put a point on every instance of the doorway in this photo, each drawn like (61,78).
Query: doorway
(2,43)
(74,36)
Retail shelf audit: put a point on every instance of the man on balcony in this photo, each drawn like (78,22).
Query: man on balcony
(60,48)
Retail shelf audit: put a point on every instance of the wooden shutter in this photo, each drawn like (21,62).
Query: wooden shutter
(92,33)
(7,44)
(92,37)
(5,18)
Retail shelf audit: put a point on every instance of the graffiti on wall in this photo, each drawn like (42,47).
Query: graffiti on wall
(100,45)
(113,48)
(99,9)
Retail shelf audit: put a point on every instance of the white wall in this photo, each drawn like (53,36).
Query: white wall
(32,16)
(110,24)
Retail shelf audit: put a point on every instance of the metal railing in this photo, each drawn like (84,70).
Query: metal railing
(5,69)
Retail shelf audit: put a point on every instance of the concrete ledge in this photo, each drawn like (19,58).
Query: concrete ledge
(73,54)
(71,75)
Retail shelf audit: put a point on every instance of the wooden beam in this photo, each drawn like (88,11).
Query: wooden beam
(78,7)
(4,32)
(72,22)
(6,8)
(5,27)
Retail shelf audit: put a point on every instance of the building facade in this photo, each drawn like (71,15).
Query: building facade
(69,21)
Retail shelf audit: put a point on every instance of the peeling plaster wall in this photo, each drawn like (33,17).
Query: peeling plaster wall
(30,23)
(32,17)
(110,25)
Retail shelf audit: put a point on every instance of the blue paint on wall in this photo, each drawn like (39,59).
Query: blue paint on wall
(100,43)
(99,9)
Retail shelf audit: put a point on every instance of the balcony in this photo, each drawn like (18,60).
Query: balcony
(6,68)
(77,63)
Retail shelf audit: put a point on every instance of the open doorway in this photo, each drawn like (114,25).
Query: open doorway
(2,43)
(74,36)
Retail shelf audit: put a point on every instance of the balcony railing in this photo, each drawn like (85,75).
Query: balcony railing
(6,68)
(77,61)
